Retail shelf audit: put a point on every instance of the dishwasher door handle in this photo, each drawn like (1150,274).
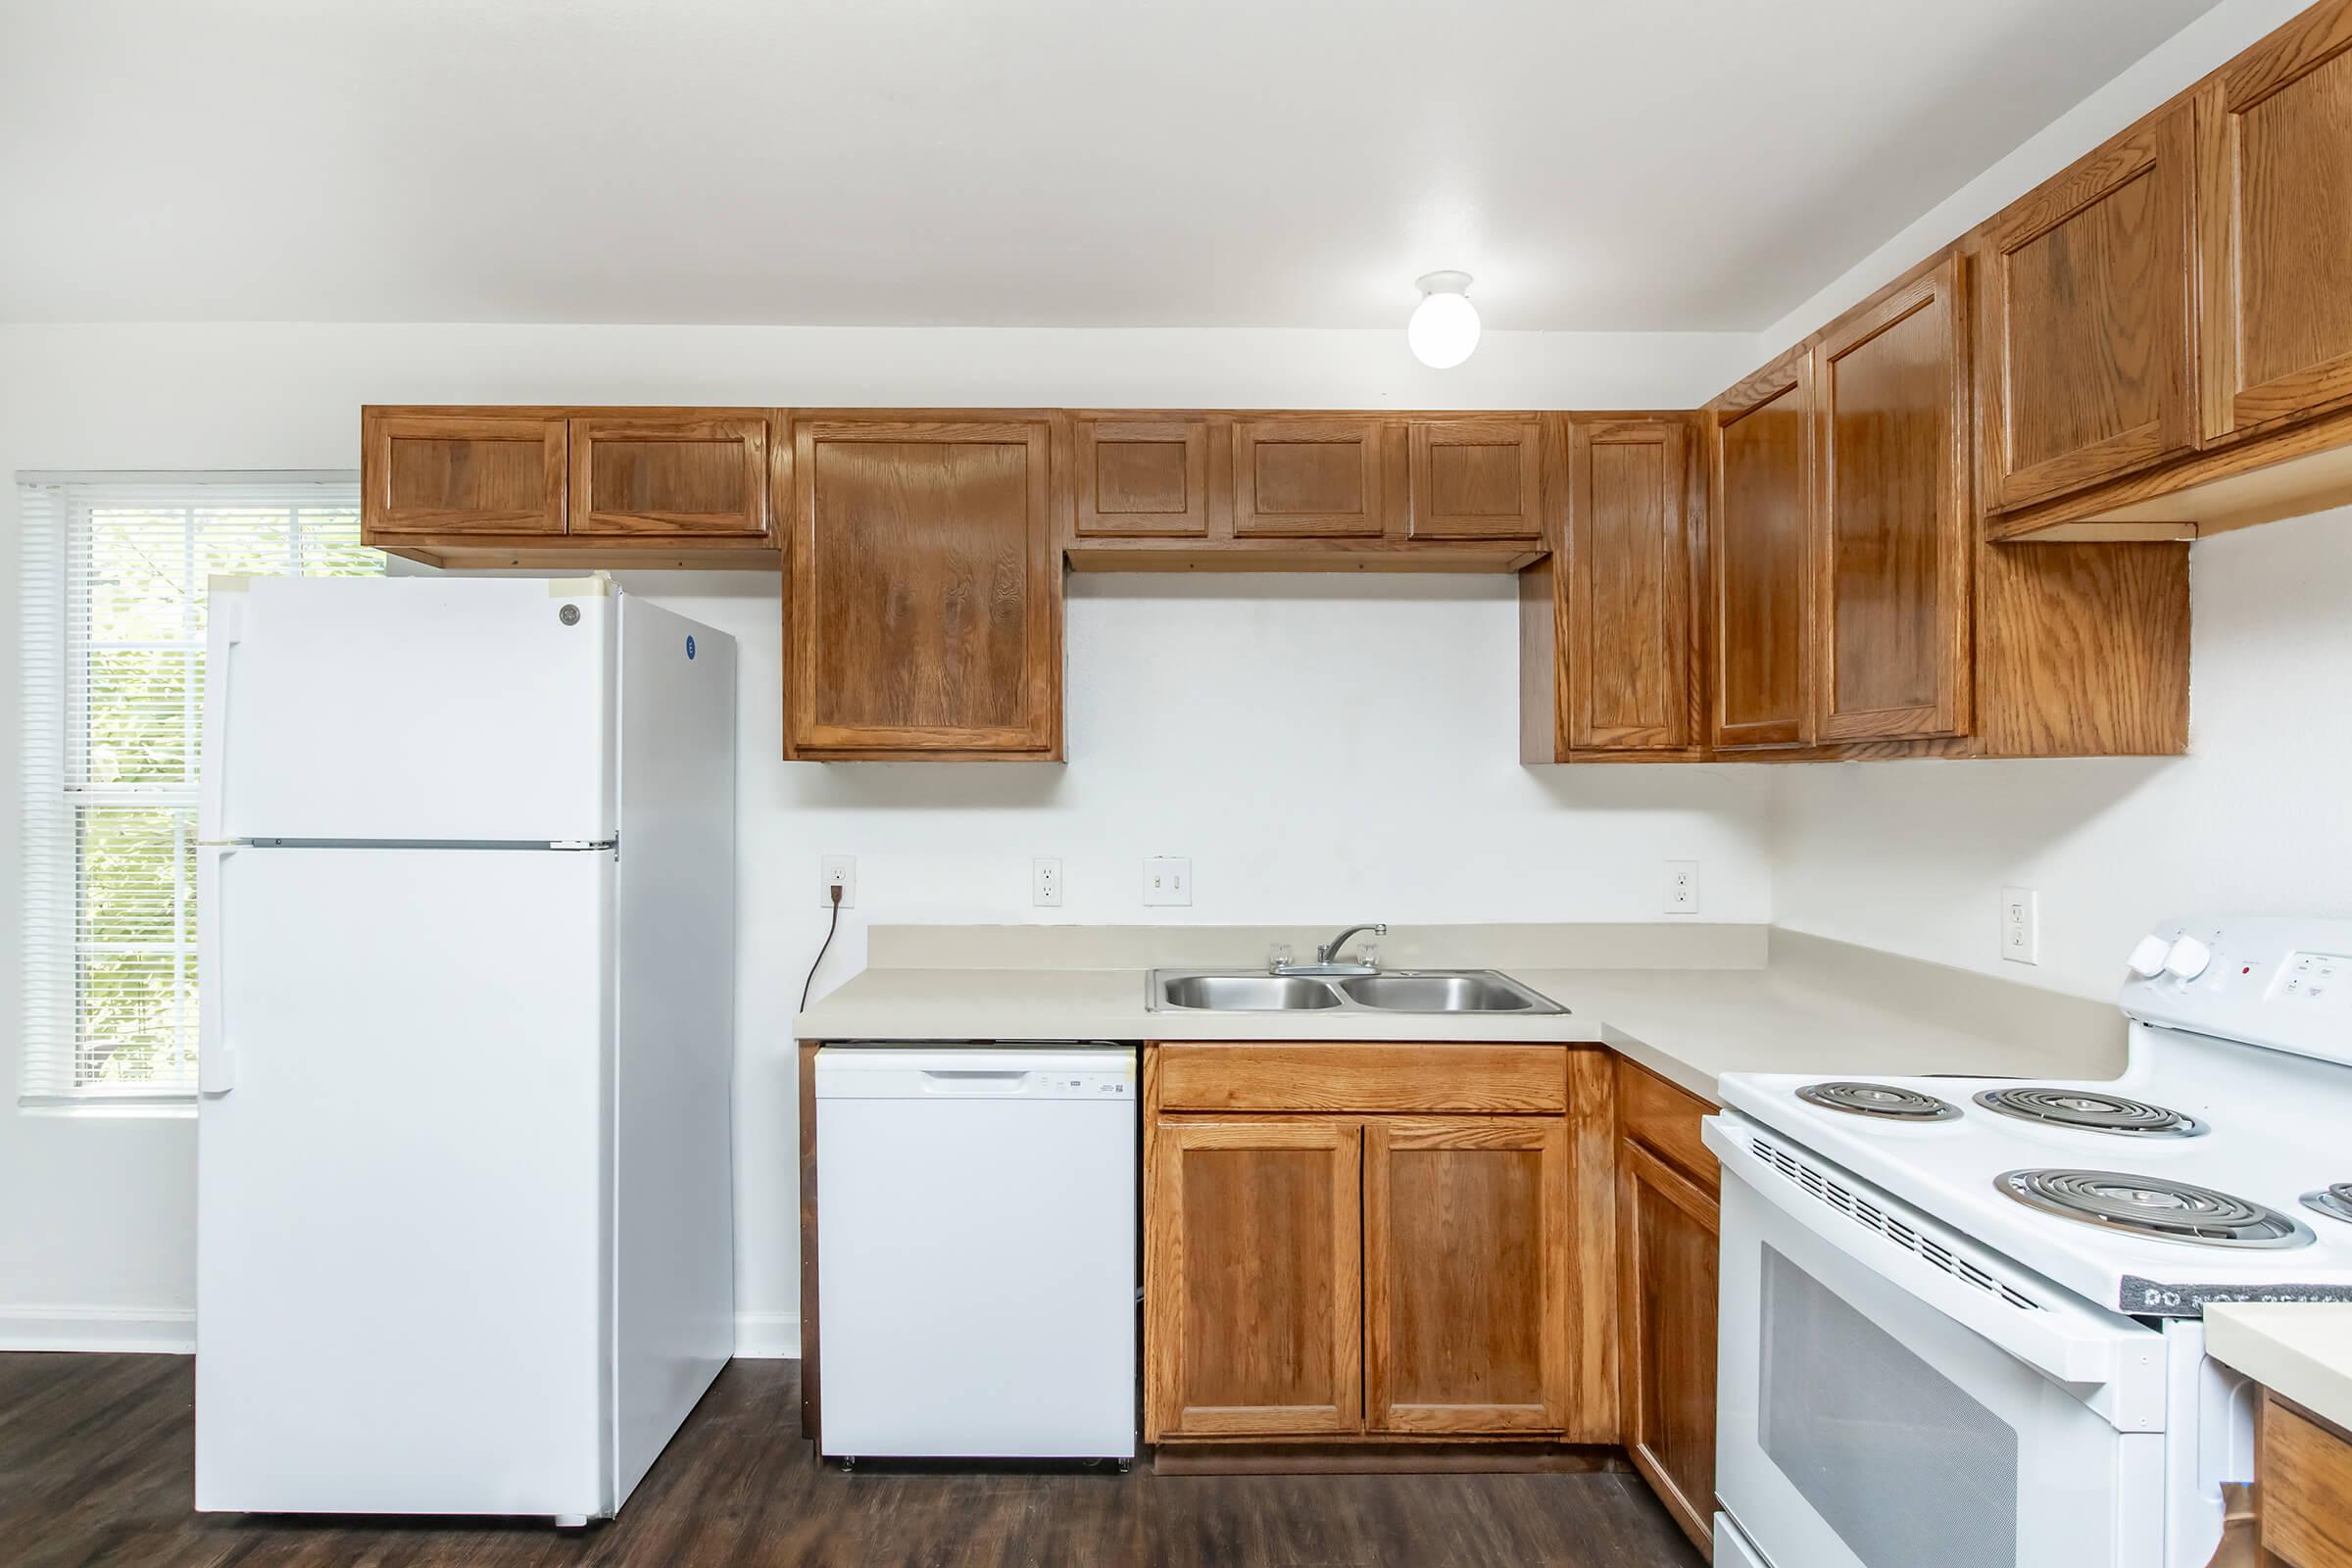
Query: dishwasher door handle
(977,1081)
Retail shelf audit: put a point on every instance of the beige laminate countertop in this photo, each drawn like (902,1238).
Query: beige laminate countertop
(2301,1350)
(1813,1007)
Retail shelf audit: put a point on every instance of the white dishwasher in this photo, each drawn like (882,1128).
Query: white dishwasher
(976,1252)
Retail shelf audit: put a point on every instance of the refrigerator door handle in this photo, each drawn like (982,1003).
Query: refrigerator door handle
(227,611)
(216,1058)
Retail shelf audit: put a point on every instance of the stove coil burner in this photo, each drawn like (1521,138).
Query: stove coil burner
(2153,1206)
(2091,1110)
(2333,1202)
(1884,1101)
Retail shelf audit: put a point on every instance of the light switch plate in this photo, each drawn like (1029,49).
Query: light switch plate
(1681,887)
(2020,925)
(1045,882)
(840,871)
(1168,879)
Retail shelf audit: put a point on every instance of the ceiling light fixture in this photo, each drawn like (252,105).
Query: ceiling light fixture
(1444,324)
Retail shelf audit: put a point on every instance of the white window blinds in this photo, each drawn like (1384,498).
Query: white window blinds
(114,582)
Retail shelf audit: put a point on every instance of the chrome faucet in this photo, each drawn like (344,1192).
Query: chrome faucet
(1327,955)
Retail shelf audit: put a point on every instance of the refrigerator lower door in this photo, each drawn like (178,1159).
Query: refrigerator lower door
(409,707)
(401,1271)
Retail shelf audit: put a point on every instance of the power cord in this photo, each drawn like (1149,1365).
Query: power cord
(831,926)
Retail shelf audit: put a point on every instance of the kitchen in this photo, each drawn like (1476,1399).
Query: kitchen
(1381,722)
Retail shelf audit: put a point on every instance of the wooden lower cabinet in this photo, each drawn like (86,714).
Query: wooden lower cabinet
(2303,1484)
(1466,1274)
(1377,1272)
(1667,1236)
(1252,1278)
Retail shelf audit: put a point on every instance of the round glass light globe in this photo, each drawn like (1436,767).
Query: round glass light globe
(1444,330)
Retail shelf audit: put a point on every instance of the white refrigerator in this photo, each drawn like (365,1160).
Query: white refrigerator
(467,908)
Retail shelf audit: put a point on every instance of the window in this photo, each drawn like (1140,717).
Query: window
(114,575)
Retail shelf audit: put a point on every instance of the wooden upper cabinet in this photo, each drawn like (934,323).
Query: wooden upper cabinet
(692,474)
(1467,1236)
(1308,478)
(2275,207)
(1477,479)
(1761,462)
(462,471)
(1252,1278)
(2088,326)
(1627,559)
(1892,567)
(923,601)
(1141,478)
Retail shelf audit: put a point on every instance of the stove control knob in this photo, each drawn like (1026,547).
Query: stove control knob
(2147,959)
(2188,958)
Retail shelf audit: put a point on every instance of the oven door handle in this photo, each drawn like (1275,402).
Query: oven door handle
(2064,1341)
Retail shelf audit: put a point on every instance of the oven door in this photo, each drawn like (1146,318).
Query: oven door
(1869,1412)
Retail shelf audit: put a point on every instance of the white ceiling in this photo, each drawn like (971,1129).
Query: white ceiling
(1600,164)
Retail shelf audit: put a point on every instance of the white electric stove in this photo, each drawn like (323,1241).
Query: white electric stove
(1960,1317)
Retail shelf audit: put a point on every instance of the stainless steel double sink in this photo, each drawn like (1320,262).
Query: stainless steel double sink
(1391,991)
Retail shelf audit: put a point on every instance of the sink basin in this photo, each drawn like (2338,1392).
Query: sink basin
(1245,993)
(1442,993)
(1397,991)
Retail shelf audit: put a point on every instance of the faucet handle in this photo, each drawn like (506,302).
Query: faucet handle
(1278,956)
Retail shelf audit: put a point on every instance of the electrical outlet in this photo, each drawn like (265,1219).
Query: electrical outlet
(1681,887)
(2020,925)
(840,871)
(1045,882)
(1168,879)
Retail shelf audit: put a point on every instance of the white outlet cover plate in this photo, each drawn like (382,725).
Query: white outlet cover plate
(2020,925)
(1168,879)
(841,868)
(1681,887)
(1045,882)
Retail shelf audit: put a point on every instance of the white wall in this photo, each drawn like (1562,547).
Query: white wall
(1912,857)
(1252,723)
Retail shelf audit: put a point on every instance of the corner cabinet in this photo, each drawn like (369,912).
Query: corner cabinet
(1609,622)
(922,602)
(1376,1245)
(1760,481)
(1667,1230)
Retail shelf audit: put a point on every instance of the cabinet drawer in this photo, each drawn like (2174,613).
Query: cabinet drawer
(1664,1119)
(1414,1076)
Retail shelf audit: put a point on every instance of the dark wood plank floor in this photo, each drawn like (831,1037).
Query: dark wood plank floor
(95,1455)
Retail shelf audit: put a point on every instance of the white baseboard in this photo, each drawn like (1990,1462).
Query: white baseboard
(767,1336)
(758,1336)
(99,1328)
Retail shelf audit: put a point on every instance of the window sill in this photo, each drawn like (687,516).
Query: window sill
(181,1107)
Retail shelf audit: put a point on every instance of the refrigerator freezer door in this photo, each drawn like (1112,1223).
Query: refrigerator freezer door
(673,1287)
(400,1198)
(408,708)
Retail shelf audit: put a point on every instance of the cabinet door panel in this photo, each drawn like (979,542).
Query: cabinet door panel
(2276,203)
(699,477)
(1254,1261)
(1467,1231)
(1307,479)
(1477,480)
(2088,316)
(1667,1238)
(924,590)
(462,473)
(1140,479)
(1763,556)
(1628,559)
(1891,590)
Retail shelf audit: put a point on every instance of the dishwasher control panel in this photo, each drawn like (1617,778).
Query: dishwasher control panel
(978,1072)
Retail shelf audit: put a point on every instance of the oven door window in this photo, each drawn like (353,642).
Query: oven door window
(1857,1423)
(1861,1428)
